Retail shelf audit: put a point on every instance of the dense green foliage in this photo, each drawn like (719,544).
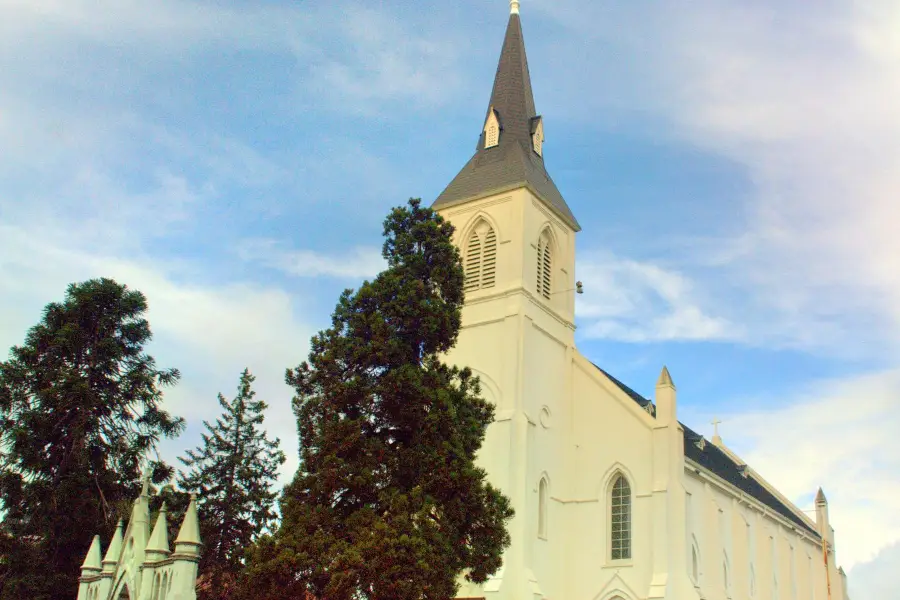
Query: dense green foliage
(233,474)
(388,503)
(79,414)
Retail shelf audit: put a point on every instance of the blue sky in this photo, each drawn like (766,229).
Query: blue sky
(734,168)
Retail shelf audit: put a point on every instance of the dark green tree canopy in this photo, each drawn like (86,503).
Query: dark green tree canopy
(233,474)
(388,503)
(80,412)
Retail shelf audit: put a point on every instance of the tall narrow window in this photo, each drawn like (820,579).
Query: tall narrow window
(544,266)
(481,258)
(542,509)
(752,581)
(793,573)
(620,530)
(695,565)
(726,582)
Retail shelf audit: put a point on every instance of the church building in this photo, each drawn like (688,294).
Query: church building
(615,499)
(139,564)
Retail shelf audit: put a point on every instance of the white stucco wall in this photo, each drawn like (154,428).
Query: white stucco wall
(560,418)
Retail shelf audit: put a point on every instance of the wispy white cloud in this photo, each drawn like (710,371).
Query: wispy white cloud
(805,101)
(876,578)
(841,435)
(634,301)
(356,264)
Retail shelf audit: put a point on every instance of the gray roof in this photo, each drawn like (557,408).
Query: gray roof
(513,163)
(718,462)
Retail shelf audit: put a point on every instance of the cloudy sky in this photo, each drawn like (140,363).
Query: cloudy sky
(734,167)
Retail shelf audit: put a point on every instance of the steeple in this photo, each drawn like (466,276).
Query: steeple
(515,157)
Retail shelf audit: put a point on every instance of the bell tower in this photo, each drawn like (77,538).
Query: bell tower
(516,235)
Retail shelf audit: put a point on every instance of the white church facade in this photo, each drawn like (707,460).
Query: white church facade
(615,499)
(139,564)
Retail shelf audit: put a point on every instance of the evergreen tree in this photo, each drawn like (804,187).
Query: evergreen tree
(388,503)
(79,414)
(232,473)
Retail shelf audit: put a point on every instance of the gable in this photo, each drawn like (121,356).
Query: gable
(716,461)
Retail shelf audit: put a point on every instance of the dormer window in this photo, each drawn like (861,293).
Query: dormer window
(537,135)
(492,130)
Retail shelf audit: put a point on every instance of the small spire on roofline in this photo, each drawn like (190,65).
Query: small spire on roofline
(513,7)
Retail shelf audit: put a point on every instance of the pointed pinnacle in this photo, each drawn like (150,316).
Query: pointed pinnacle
(190,528)
(92,560)
(159,540)
(665,379)
(820,497)
(115,545)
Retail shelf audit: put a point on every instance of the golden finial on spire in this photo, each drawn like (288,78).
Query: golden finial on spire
(513,7)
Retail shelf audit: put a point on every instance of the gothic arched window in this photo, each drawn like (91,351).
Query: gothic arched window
(695,565)
(620,519)
(726,581)
(542,508)
(481,257)
(544,265)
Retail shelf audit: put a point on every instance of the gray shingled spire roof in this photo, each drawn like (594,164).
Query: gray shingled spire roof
(513,163)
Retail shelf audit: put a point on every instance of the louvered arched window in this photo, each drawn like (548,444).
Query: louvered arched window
(620,521)
(481,258)
(544,266)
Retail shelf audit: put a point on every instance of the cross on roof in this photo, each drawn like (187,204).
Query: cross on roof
(715,423)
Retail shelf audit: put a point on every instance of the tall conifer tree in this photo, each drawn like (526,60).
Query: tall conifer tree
(388,503)
(79,414)
(233,474)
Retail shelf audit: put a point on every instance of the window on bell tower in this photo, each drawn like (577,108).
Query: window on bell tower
(481,257)
(492,130)
(544,265)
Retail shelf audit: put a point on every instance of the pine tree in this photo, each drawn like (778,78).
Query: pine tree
(232,473)
(79,414)
(388,503)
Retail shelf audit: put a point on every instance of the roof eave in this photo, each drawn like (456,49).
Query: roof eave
(440,204)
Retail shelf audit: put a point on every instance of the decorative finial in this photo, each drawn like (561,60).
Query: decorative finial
(145,483)
(715,424)
(513,7)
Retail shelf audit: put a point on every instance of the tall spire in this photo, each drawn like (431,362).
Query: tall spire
(515,160)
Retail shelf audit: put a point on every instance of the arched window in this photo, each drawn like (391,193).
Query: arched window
(155,594)
(542,509)
(544,265)
(620,521)
(481,257)
(695,565)
(726,581)
(164,588)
